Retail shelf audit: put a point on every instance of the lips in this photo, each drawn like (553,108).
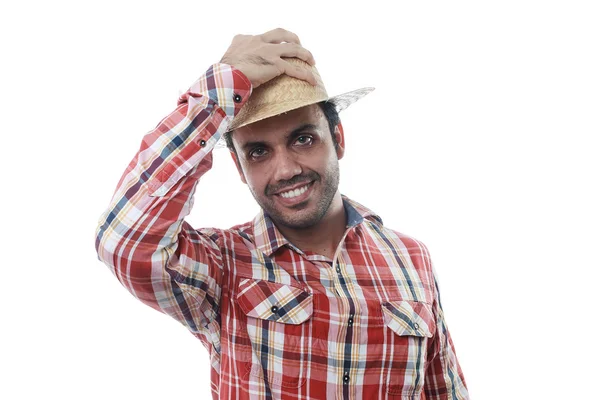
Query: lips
(296,194)
(288,194)
(292,188)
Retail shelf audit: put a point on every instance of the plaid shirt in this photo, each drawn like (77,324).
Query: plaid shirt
(278,323)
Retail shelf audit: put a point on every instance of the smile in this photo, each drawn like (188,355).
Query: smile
(294,193)
(295,196)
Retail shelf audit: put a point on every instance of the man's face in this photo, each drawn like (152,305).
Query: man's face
(290,164)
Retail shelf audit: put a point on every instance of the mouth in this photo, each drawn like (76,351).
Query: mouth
(296,194)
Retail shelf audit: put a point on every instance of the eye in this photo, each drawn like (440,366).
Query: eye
(258,152)
(304,140)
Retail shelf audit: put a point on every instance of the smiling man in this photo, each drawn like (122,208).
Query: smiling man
(314,298)
(290,164)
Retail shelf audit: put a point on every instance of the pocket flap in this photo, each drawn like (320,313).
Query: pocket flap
(409,318)
(274,301)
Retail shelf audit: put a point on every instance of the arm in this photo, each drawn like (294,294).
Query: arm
(443,378)
(142,236)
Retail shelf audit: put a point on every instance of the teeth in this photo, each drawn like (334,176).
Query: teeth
(294,193)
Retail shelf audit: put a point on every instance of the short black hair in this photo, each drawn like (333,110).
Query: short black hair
(331,114)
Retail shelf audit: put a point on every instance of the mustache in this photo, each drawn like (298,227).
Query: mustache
(309,177)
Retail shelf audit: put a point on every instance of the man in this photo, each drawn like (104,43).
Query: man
(314,298)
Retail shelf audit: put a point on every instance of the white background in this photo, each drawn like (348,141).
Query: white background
(480,140)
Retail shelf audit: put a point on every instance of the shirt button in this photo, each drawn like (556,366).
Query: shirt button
(346,378)
(203,143)
(350,321)
(416,326)
(337,269)
(237,98)
(274,309)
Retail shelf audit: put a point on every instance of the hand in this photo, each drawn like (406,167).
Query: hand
(259,56)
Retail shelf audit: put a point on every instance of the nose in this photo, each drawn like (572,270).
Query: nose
(286,166)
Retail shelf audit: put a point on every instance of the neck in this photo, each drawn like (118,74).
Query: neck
(324,237)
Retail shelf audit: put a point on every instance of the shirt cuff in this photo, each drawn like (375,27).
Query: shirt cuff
(224,85)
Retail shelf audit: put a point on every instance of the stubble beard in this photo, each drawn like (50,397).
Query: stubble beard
(329,184)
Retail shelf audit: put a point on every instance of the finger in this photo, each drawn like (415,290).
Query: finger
(280,35)
(295,50)
(297,72)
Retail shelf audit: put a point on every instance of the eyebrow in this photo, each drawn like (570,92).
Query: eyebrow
(291,134)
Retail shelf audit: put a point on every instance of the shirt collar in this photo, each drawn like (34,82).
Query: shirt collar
(268,239)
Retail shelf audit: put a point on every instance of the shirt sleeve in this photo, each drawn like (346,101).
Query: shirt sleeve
(444,378)
(142,236)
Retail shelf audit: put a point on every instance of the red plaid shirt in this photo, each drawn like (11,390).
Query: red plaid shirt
(277,322)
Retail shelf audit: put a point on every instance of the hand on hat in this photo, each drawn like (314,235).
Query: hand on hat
(259,56)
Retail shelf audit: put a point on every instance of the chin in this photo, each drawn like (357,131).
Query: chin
(305,217)
(297,223)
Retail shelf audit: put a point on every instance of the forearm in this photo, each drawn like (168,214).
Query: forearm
(444,378)
(143,230)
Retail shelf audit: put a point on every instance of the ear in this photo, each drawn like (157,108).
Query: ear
(339,137)
(234,157)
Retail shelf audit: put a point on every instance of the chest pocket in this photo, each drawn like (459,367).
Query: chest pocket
(409,326)
(279,326)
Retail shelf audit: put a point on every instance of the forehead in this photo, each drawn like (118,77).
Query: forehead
(279,126)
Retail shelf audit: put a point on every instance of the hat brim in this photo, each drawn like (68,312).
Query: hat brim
(345,100)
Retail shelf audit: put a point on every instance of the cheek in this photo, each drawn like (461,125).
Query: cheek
(325,158)
(256,179)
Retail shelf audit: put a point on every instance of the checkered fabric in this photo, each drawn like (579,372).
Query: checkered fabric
(278,323)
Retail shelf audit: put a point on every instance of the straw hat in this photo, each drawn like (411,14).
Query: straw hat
(284,93)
